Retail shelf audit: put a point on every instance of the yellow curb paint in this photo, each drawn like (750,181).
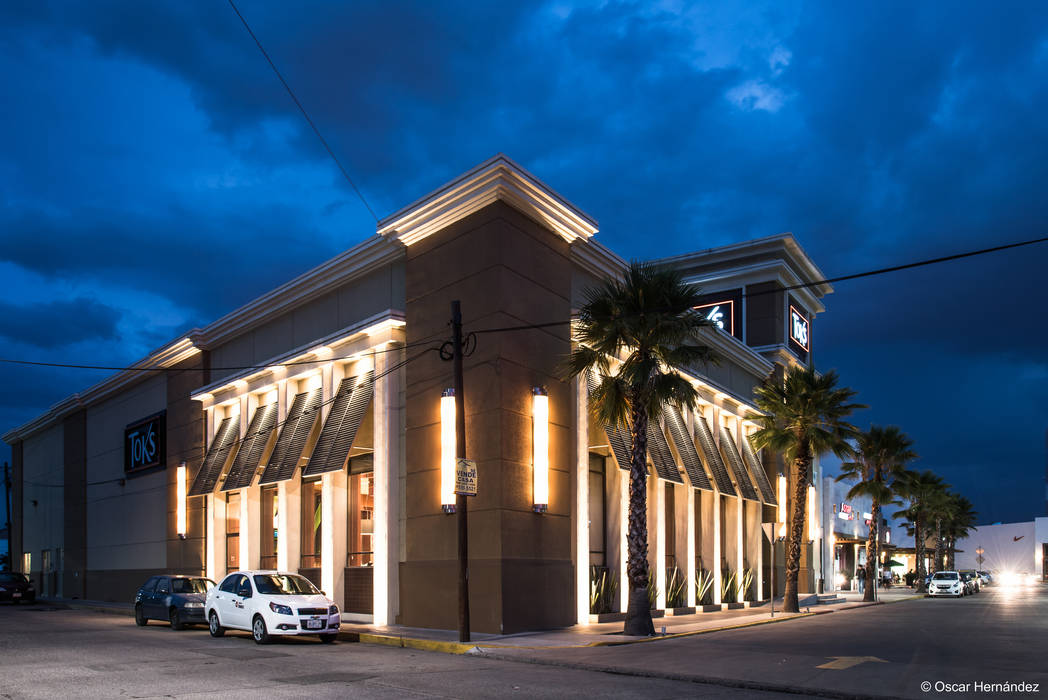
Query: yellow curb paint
(411,643)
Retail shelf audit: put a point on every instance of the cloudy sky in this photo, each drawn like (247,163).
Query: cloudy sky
(155,175)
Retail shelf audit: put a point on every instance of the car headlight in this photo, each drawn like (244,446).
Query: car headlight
(280,609)
(194,605)
(333,610)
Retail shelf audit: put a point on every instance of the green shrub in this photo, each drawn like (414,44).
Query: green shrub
(604,588)
(703,586)
(676,588)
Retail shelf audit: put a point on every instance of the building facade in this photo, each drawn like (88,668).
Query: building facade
(308,431)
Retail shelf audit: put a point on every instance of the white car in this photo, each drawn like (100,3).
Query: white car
(946,583)
(270,603)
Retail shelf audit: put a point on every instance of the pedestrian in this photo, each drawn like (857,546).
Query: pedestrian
(861,576)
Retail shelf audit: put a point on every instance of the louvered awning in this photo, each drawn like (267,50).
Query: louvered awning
(713,457)
(301,418)
(252,447)
(661,456)
(757,469)
(217,453)
(686,448)
(343,421)
(619,439)
(731,451)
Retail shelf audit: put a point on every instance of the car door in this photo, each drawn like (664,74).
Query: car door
(157,598)
(240,612)
(224,597)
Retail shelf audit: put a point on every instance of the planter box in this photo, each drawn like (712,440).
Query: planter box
(712,607)
(679,611)
(734,606)
(621,616)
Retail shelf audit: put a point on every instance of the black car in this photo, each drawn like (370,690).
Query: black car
(16,588)
(177,599)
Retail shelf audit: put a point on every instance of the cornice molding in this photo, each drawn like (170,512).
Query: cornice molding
(498,178)
(597,260)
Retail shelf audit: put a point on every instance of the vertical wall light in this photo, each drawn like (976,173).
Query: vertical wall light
(540,447)
(813,526)
(447,450)
(782,505)
(180,500)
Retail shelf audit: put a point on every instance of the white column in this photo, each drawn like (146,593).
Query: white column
(689,559)
(711,419)
(660,542)
(216,537)
(624,529)
(333,534)
(386,419)
(582,523)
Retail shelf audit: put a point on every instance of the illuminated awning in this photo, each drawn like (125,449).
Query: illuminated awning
(742,479)
(217,454)
(252,448)
(303,415)
(619,439)
(343,421)
(686,448)
(757,470)
(713,457)
(661,456)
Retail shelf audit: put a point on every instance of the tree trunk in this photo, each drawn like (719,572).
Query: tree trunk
(795,538)
(938,545)
(950,552)
(638,614)
(871,553)
(918,546)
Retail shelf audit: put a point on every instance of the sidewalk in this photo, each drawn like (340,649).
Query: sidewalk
(577,636)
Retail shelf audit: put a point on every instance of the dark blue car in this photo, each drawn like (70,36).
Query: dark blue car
(177,599)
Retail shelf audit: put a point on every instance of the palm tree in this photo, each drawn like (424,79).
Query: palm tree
(882,454)
(631,334)
(803,419)
(918,488)
(940,512)
(963,520)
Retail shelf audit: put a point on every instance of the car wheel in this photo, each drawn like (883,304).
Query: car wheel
(328,638)
(213,627)
(258,630)
(140,618)
(175,619)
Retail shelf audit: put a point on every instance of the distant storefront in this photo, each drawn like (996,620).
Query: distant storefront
(308,431)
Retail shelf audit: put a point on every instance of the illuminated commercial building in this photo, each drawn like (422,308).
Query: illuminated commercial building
(308,430)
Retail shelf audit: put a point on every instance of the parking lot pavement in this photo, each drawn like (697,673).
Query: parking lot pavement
(51,651)
(997,636)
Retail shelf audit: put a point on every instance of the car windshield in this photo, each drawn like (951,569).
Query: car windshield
(191,585)
(945,576)
(284,584)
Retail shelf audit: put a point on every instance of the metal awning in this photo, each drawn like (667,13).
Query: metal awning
(686,448)
(757,470)
(252,449)
(302,417)
(742,479)
(661,456)
(713,457)
(340,429)
(222,444)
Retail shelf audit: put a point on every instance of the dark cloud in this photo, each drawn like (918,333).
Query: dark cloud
(52,324)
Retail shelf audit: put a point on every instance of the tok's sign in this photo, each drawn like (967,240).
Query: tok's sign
(465,477)
(144,443)
(800,332)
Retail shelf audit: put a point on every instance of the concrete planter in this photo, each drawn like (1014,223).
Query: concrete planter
(680,611)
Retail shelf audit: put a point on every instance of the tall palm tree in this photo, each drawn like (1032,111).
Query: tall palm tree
(940,512)
(963,521)
(803,417)
(918,488)
(882,454)
(632,334)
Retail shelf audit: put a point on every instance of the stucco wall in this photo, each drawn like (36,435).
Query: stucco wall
(42,496)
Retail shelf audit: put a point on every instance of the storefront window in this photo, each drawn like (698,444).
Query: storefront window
(361,511)
(597,519)
(671,527)
(232,532)
(269,528)
(312,517)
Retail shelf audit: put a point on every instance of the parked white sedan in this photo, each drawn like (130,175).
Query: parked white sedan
(946,583)
(270,603)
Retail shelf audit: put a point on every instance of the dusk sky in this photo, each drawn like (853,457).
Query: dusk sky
(155,175)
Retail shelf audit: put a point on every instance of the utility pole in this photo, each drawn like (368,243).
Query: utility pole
(461,500)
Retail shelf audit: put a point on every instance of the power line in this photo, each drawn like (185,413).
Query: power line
(304,113)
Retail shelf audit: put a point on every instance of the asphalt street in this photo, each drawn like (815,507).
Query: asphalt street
(49,652)
(997,636)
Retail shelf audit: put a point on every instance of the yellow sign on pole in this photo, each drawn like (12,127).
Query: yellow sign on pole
(465,477)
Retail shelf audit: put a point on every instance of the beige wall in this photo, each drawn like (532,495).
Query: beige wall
(42,478)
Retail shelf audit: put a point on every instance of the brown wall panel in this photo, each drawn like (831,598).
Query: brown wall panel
(74,496)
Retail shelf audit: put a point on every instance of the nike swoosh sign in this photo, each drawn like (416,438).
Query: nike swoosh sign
(1016,539)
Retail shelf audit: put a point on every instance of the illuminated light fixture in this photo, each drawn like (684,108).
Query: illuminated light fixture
(782,505)
(540,447)
(180,500)
(813,528)
(314,381)
(447,450)
(365,486)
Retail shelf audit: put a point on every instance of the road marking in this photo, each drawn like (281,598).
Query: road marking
(843,662)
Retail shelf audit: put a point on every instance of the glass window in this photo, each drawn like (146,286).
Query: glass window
(233,531)
(229,583)
(269,528)
(312,517)
(243,587)
(164,586)
(671,527)
(597,506)
(284,584)
(149,585)
(191,585)
(361,513)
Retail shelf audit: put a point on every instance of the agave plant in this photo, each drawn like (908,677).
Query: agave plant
(729,591)
(745,585)
(676,588)
(653,590)
(703,586)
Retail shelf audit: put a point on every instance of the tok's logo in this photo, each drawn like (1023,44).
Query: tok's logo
(716,316)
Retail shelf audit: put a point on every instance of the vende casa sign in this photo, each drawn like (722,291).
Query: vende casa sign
(145,443)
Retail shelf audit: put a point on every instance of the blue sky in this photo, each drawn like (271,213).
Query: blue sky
(155,175)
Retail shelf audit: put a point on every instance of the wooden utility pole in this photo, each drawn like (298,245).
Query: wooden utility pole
(460,453)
